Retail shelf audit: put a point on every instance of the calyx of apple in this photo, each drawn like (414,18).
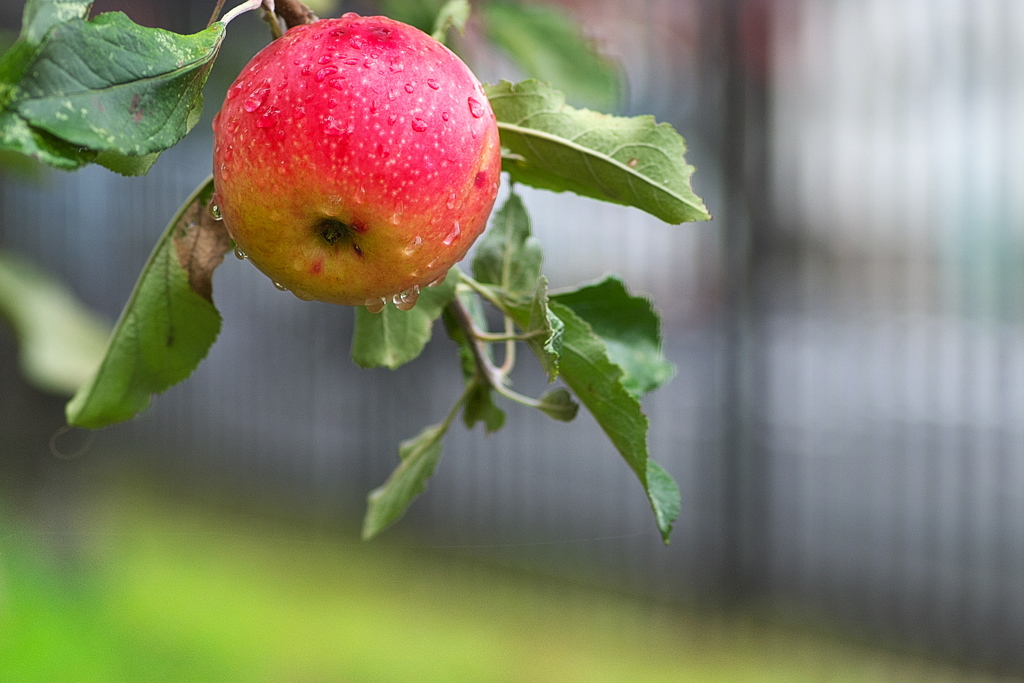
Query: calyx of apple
(355,161)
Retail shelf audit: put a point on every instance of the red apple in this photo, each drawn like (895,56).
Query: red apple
(355,161)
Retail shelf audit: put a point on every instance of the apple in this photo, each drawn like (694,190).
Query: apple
(355,161)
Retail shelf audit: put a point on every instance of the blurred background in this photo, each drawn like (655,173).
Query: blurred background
(844,424)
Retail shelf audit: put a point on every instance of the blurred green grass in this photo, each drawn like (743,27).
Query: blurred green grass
(154,588)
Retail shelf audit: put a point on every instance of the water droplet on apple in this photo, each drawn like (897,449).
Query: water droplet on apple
(234,91)
(215,212)
(433,263)
(240,255)
(279,286)
(433,83)
(396,218)
(325,72)
(335,128)
(392,118)
(453,234)
(300,112)
(383,151)
(324,59)
(356,42)
(376,304)
(396,66)
(413,246)
(269,118)
(349,15)
(405,301)
(351,61)
(475,108)
(300,294)
(373,106)
(451,201)
(257,98)
(419,125)
(444,116)
(332,103)
(438,281)
(391,95)
(408,87)
(336,83)
(282,85)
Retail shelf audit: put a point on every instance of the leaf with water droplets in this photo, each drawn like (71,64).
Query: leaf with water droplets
(168,324)
(105,85)
(555,147)
(394,337)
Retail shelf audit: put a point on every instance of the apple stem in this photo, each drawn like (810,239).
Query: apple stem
(247,6)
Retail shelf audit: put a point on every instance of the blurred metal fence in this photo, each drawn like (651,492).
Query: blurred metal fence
(848,334)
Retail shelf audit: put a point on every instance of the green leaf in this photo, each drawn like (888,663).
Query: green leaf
(168,324)
(419,456)
(111,85)
(558,404)
(480,407)
(37,19)
(454,14)
(508,255)
(549,45)
(597,383)
(392,337)
(60,341)
(17,136)
(629,328)
(631,161)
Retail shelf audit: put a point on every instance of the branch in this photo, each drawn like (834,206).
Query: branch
(294,13)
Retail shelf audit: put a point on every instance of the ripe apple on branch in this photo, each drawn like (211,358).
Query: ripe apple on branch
(356,161)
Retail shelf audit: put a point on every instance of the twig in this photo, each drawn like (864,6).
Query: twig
(216,13)
(485,370)
(294,13)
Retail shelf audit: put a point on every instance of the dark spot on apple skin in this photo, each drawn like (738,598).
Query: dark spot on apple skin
(359,227)
(355,247)
(332,230)
(317,267)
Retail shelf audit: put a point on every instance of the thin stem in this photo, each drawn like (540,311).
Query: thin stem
(510,345)
(511,337)
(482,291)
(485,370)
(455,408)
